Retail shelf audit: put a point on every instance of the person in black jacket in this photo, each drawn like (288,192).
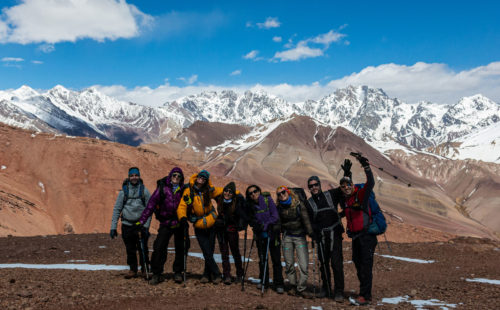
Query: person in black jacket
(328,229)
(229,221)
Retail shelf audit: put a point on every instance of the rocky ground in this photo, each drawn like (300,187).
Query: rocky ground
(443,280)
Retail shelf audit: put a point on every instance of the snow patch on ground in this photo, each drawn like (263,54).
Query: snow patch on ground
(217,257)
(41,186)
(417,303)
(102,247)
(66,266)
(76,261)
(406,259)
(482,280)
(4,167)
(316,308)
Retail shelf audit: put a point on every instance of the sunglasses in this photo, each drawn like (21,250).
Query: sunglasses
(282,193)
(313,185)
(346,185)
(176,175)
(255,191)
(228,191)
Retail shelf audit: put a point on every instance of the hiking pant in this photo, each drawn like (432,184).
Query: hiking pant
(206,240)
(230,239)
(332,255)
(363,248)
(275,254)
(130,235)
(290,246)
(160,249)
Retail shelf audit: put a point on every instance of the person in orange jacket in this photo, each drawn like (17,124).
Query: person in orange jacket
(196,205)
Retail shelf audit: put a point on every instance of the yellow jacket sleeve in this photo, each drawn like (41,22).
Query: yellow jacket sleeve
(182,208)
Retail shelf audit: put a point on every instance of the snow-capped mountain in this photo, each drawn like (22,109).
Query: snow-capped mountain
(370,113)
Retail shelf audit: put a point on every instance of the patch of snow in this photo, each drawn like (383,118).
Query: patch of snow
(418,303)
(102,247)
(217,257)
(66,266)
(4,167)
(76,261)
(482,280)
(257,281)
(284,264)
(316,308)
(406,259)
(67,252)
(41,186)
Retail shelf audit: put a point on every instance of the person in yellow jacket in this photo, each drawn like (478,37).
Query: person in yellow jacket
(196,205)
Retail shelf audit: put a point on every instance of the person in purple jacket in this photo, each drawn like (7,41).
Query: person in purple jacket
(264,219)
(164,203)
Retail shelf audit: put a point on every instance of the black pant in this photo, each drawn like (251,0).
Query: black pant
(332,255)
(230,239)
(275,253)
(130,235)
(206,240)
(363,248)
(160,249)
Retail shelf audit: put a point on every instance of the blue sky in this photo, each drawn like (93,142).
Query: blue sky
(152,51)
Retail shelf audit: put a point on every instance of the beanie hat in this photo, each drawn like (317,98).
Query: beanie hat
(345,180)
(315,178)
(204,174)
(230,186)
(134,170)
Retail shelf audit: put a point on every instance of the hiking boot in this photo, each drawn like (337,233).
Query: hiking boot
(227,281)
(280,290)
(178,277)
(339,297)
(156,279)
(238,279)
(204,280)
(131,274)
(361,301)
(218,280)
(305,294)
(259,286)
(292,291)
(323,293)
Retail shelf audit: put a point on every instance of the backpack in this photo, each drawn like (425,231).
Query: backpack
(125,187)
(266,196)
(378,224)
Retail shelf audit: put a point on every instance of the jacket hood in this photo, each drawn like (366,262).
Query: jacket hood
(178,170)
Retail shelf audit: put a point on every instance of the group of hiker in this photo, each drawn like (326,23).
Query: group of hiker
(277,226)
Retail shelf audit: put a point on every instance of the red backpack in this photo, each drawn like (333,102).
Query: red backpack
(357,219)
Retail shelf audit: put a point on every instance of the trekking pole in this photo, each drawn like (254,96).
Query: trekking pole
(314,268)
(244,255)
(382,169)
(387,242)
(320,245)
(246,266)
(144,256)
(265,268)
(186,236)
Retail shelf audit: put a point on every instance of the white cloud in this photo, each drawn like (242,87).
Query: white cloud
(277,39)
(421,81)
(190,80)
(47,48)
(251,55)
(271,22)
(303,50)
(53,21)
(37,62)
(235,72)
(12,59)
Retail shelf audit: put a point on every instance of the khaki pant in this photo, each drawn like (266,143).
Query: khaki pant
(290,246)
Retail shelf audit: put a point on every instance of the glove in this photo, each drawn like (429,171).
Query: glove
(139,225)
(183,221)
(347,168)
(264,235)
(113,233)
(363,161)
